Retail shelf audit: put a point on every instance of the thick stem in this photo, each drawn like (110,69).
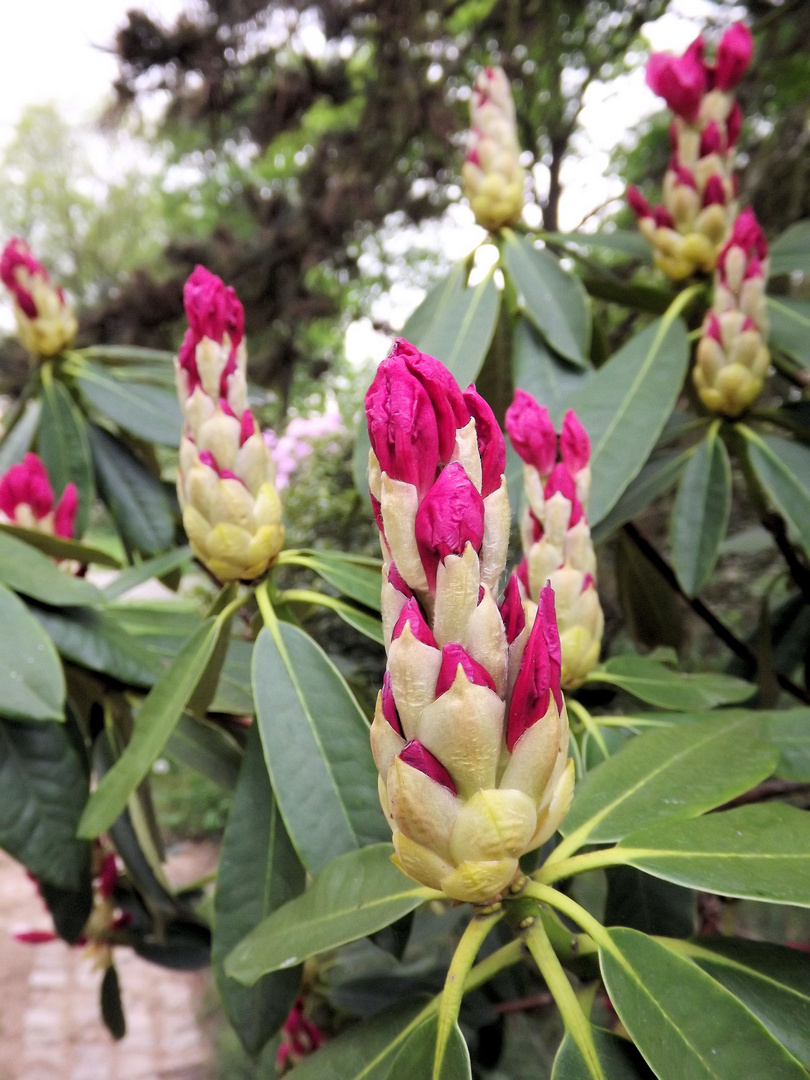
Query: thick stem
(578,864)
(588,722)
(554,898)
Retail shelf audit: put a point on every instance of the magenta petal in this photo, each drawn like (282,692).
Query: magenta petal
(65,513)
(531,432)
(402,425)
(733,56)
(475,673)
(491,444)
(389,707)
(512,613)
(575,446)
(548,614)
(398,581)
(415,755)
(532,689)
(637,203)
(412,615)
(444,393)
(450,516)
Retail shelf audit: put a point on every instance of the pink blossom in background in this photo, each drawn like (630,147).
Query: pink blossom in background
(290,449)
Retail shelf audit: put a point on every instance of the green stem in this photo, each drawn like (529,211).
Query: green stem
(463,959)
(312,596)
(781,419)
(588,722)
(576,1023)
(578,864)
(554,898)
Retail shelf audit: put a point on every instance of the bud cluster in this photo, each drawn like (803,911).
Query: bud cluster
(492,174)
(732,357)
(225,484)
(470,734)
(27,499)
(699,191)
(556,537)
(45,320)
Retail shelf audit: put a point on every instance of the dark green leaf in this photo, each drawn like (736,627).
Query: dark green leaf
(234,692)
(33,574)
(30,672)
(761,852)
(657,476)
(353,575)
(64,448)
(57,548)
(135,353)
(207,749)
(625,405)
(69,908)
(353,896)
(783,468)
(312,727)
(790,327)
(258,873)
(415,1057)
(683,1022)
(618,1057)
(183,945)
(147,411)
(700,514)
(136,500)
(136,575)
(44,784)
(789,731)
(554,300)
(367,625)
(155,721)
(112,1009)
(539,372)
(19,440)
(648,904)
(791,250)
(653,682)
(626,241)
(672,773)
(95,640)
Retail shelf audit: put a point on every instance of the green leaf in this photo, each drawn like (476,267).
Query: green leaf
(783,468)
(683,1022)
(258,873)
(771,980)
(648,904)
(626,241)
(657,476)
(64,448)
(367,625)
(789,731)
(234,692)
(354,895)
(112,1009)
(671,773)
(17,442)
(33,574)
(207,749)
(791,250)
(353,575)
(619,1058)
(58,548)
(96,640)
(455,323)
(790,327)
(69,908)
(625,405)
(148,412)
(44,785)
(700,514)
(312,727)
(555,301)
(539,372)
(760,852)
(157,567)
(155,721)
(134,353)
(362,446)
(30,672)
(415,1057)
(653,682)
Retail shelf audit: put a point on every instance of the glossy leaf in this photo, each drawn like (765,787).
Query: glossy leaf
(19,440)
(312,727)
(137,354)
(155,721)
(258,873)
(700,514)
(783,468)
(791,250)
(415,1057)
(33,574)
(761,852)
(771,980)
(537,370)
(671,773)
(136,575)
(625,405)
(657,684)
(94,639)
(58,548)
(555,301)
(136,500)
(657,476)
(353,896)
(64,448)
(626,241)
(455,323)
(206,748)
(648,904)
(619,1058)
(44,784)
(148,412)
(683,1022)
(789,731)
(30,671)
(790,327)
(353,575)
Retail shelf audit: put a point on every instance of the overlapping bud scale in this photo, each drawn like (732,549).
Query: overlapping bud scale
(470,734)
(45,321)
(492,173)
(556,537)
(231,510)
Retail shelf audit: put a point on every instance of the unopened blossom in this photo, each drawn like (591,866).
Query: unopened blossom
(300,1037)
(492,174)
(556,537)
(732,355)
(699,190)
(231,509)
(470,734)
(27,499)
(45,321)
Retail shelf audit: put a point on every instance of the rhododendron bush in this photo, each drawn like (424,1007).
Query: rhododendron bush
(519,814)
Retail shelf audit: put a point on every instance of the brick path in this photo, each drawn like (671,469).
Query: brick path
(49,1014)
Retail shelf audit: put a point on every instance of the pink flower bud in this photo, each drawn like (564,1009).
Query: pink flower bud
(575,446)
(712,328)
(450,516)
(15,255)
(522,574)
(248,426)
(491,445)
(212,308)
(207,458)
(26,483)
(637,203)
(65,512)
(663,219)
(512,613)
(108,877)
(715,192)
(562,481)
(746,234)
(414,617)
(398,581)
(531,432)
(680,81)
(389,707)
(452,656)
(711,140)
(402,425)
(684,176)
(733,56)
(415,755)
(442,389)
(539,673)
(734,124)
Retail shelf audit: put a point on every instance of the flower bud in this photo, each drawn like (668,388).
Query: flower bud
(733,56)
(492,173)
(680,80)
(45,321)
(26,498)
(491,445)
